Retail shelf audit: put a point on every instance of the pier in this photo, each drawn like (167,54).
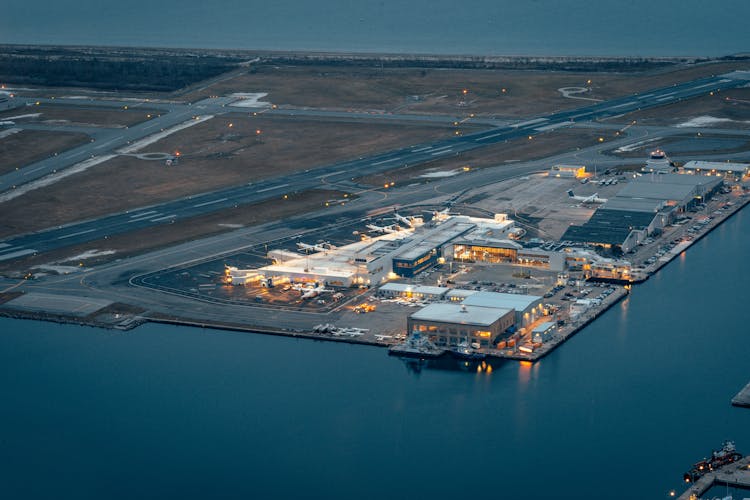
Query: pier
(736,475)
(743,397)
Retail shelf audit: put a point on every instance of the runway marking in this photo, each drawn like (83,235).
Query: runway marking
(645,96)
(105,144)
(158,122)
(209,202)
(421,149)
(489,136)
(386,161)
(328,175)
(551,126)
(441,152)
(666,98)
(19,253)
(31,171)
(705,85)
(143,213)
(623,105)
(76,234)
(4,245)
(159,219)
(530,122)
(272,188)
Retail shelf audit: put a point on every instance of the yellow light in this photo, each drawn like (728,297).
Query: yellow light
(601,139)
(504,90)
(286,196)
(231,125)
(465,91)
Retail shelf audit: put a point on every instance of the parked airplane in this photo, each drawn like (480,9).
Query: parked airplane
(322,247)
(309,293)
(394,228)
(594,198)
(409,221)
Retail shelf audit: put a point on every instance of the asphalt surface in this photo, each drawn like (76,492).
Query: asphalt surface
(332,175)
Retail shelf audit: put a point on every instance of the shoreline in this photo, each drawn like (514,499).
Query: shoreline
(566,332)
(363,53)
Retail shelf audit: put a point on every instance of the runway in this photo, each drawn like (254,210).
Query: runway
(343,172)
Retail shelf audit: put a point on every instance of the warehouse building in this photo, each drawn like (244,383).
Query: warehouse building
(724,169)
(449,324)
(641,208)
(527,308)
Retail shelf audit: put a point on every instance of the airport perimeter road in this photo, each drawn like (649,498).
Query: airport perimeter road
(342,172)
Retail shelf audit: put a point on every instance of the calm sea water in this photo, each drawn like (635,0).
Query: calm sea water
(618,412)
(546,27)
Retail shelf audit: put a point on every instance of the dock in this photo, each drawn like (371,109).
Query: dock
(743,397)
(736,475)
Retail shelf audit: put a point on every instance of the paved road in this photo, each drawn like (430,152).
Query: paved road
(81,232)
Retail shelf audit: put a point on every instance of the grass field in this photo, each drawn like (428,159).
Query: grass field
(501,93)
(28,146)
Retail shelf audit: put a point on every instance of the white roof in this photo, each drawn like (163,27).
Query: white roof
(403,287)
(503,300)
(460,314)
(431,290)
(716,165)
(543,327)
(396,287)
(460,292)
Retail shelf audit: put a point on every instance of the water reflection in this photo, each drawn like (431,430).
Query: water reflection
(448,363)
(525,369)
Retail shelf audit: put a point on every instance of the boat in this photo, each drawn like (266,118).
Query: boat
(464,351)
(726,455)
(416,346)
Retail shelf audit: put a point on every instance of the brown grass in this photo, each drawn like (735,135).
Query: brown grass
(165,235)
(28,146)
(414,90)
(214,156)
(82,115)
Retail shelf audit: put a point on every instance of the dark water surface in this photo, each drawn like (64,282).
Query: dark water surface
(540,27)
(618,412)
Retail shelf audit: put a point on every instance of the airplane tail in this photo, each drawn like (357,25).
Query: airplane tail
(570,193)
